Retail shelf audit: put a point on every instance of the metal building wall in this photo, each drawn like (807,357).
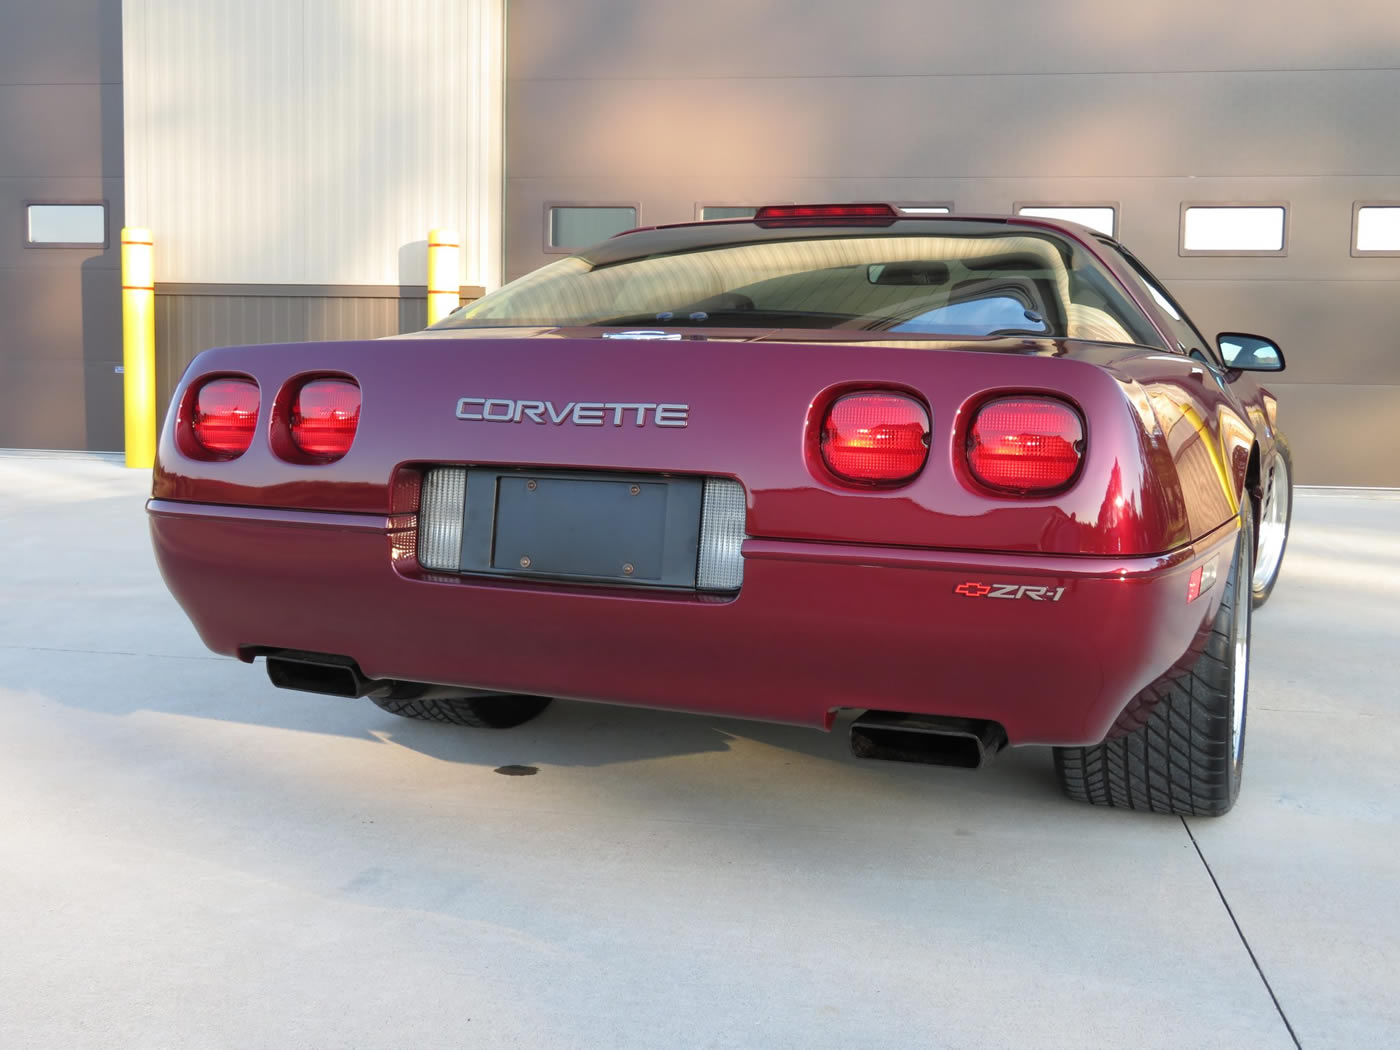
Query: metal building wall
(60,307)
(298,151)
(987,104)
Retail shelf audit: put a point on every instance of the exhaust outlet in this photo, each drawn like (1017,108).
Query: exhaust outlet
(332,675)
(317,673)
(934,740)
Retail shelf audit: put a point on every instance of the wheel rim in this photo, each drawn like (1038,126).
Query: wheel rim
(1239,671)
(1273,524)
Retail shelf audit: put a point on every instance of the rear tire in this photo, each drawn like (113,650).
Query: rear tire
(480,712)
(1188,756)
(1275,517)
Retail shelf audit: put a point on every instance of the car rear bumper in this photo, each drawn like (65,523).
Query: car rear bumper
(816,627)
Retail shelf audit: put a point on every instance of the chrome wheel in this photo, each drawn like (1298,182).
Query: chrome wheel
(1239,645)
(1273,524)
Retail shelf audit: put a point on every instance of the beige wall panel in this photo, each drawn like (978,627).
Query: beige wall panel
(314,141)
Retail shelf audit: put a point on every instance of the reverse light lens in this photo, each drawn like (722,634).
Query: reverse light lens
(443,503)
(225,416)
(875,437)
(722,516)
(1025,444)
(325,416)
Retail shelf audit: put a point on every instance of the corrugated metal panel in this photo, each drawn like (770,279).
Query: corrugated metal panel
(186,325)
(314,142)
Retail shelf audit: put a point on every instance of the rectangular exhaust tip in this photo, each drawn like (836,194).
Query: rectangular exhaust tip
(965,743)
(316,673)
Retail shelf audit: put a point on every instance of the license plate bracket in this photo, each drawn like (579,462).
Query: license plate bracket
(636,530)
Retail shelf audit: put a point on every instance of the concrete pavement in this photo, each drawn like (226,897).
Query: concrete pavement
(191,858)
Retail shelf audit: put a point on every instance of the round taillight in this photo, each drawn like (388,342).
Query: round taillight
(1025,444)
(324,417)
(875,437)
(225,416)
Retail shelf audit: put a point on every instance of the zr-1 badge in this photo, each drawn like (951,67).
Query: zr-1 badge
(973,589)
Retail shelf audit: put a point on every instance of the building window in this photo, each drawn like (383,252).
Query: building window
(66,225)
(1375,228)
(573,226)
(726,211)
(1100,217)
(1234,229)
(926,208)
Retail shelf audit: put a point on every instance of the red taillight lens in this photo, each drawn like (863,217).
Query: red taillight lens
(1025,444)
(825,214)
(325,416)
(225,416)
(875,437)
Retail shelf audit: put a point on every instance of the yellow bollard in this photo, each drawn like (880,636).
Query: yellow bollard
(444,274)
(139,346)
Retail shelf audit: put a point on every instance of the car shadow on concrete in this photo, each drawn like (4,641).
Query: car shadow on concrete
(569,734)
(576,733)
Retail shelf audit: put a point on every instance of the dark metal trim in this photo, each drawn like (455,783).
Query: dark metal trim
(312,291)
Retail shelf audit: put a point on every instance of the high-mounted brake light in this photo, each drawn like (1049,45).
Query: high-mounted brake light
(324,417)
(225,416)
(1025,444)
(825,214)
(877,437)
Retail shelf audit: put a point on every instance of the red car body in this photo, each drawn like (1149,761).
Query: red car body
(1047,615)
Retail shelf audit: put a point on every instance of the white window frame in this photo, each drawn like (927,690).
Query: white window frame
(1186,252)
(102,203)
(1370,253)
(549,206)
(1112,206)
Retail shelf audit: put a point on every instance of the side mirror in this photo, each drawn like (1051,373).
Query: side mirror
(1249,353)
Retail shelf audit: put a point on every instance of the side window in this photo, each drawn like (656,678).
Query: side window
(1185,334)
(991,313)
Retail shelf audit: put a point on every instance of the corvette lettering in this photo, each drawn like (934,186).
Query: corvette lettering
(579,413)
(974,589)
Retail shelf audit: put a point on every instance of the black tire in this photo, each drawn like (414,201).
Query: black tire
(480,712)
(1182,757)
(1277,473)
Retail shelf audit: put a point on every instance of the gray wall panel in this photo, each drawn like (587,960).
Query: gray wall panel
(1120,125)
(738,38)
(1342,434)
(986,104)
(61,41)
(60,139)
(1332,332)
(64,129)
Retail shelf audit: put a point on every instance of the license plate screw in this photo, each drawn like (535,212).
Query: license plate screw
(627,568)
(531,485)
(636,490)
(525,562)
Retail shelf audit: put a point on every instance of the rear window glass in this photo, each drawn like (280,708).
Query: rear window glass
(996,284)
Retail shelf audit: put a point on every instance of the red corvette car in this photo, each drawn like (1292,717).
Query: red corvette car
(978,479)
